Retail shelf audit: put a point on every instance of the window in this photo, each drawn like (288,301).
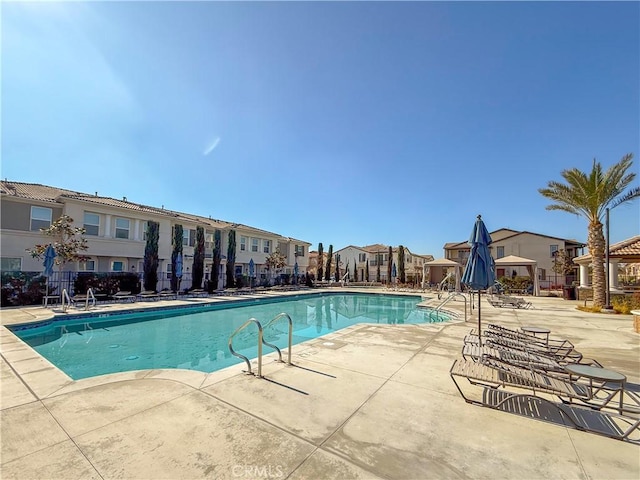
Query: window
(499,252)
(554,250)
(188,237)
(208,241)
(144,225)
(254,244)
(117,266)
(88,266)
(40,218)
(299,250)
(122,229)
(9,264)
(91,223)
(266,246)
(243,244)
(362,257)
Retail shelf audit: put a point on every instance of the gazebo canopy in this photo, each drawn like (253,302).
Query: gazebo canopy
(512,260)
(444,263)
(515,261)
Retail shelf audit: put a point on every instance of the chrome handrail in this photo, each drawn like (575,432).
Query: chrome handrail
(260,340)
(64,295)
(93,299)
(273,320)
(451,296)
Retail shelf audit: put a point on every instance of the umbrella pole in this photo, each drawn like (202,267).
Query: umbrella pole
(479,321)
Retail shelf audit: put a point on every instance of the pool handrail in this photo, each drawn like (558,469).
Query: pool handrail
(64,295)
(260,340)
(268,324)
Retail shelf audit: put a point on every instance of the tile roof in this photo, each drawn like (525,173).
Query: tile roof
(44,193)
(628,249)
(33,191)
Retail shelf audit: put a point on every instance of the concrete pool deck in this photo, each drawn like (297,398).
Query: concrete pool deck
(369,401)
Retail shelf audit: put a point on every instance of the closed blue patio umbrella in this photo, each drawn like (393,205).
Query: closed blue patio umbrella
(295,272)
(394,272)
(479,272)
(252,269)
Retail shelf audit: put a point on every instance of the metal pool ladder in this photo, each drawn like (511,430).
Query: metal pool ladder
(450,297)
(261,341)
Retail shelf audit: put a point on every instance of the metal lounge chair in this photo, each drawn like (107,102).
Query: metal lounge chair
(123,296)
(492,382)
(148,295)
(597,395)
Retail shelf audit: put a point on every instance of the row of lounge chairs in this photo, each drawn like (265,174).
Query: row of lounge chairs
(513,371)
(507,301)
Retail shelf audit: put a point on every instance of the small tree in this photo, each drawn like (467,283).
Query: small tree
(151,261)
(198,259)
(390,265)
(217,255)
(327,273)
(401,272)
(562,264)
(231,259)
(378,262)
(355,272)
(275,261)
(68,241)
(320,261)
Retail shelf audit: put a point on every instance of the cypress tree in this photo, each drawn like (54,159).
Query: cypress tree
(231,259)
(327,273)
(151,261)
(319,263)
(177,249)
(401,272)
(390,265)
(355,272)
(366,269)
(215,267)
(198,259)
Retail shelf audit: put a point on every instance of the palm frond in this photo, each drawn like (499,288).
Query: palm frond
(627,197)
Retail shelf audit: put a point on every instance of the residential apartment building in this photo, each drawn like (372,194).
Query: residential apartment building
(116,234)
(533,246)
(370,256)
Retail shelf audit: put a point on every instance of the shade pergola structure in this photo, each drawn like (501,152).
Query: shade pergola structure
(436,269)
(626,251)
(531,265)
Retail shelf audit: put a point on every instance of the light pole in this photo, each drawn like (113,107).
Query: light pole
(555,269)
(606,263)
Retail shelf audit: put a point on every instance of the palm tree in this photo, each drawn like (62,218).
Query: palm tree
(589,195)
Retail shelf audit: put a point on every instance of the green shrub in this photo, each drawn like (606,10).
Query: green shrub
(625,303)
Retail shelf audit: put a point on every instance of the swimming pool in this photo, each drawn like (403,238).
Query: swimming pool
(195,338)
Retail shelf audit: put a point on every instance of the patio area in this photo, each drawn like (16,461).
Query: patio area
(370,401)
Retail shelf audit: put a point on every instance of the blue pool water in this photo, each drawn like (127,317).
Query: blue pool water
(197,338)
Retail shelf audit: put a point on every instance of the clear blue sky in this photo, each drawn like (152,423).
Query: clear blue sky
(342,123)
